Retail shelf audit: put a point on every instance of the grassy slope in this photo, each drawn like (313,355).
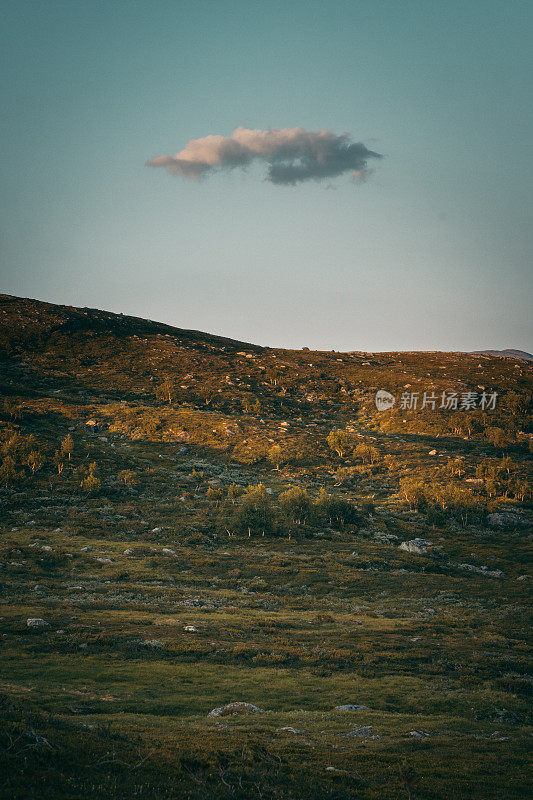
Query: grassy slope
(112,698)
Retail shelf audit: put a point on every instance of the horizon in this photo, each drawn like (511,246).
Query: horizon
(485,351)
(341,177)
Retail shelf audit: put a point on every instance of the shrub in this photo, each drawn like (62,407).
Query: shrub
(254,514)
(334,510)
(295,503)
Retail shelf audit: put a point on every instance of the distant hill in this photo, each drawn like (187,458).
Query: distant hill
(521,355)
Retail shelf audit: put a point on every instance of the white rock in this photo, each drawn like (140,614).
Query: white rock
(239,707)
(190,629)
(417,545)
(37,622)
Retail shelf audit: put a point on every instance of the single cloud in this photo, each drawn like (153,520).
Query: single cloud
(293,155)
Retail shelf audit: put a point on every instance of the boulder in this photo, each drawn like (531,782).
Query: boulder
(289,729)
(37,622)
(417,545)
(239,707)
(350,707)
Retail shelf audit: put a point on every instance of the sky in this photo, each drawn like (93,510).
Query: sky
(430,249)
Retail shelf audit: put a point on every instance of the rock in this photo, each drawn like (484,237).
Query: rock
(365,730)
(87,549)
(128,551)
(156,530)
(288,729)
(168,551)
(104,560)
(523,577)
(183,450)
(432,453)
(239,707)
(489,573)
(153,643)
(37,622)
(350,707)
(417,545)
(419,734)
(506,519)
(190,629)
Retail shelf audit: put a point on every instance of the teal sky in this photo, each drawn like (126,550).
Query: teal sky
(433,252)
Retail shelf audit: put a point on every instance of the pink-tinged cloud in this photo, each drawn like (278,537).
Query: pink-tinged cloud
(293,155)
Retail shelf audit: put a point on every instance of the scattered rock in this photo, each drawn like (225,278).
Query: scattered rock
(489,573)
(419,734)
(417,545)
(239,707)
(350,707)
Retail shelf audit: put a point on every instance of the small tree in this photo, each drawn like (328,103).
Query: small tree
(67,446)
(275,455)
(233,492)
(413,493)
(339,441)
(128,477)
(92,482)
(58,461)
(35,461)
(8,470)
(497,437)
(296,504)
(214,495)
(254,514)
(166,391)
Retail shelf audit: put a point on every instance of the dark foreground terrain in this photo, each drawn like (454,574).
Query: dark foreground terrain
(189,521)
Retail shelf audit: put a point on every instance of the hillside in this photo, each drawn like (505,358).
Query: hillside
(520,355)
(197,520)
